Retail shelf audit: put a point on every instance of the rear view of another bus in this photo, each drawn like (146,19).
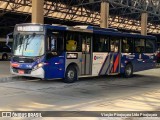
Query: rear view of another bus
(5,51)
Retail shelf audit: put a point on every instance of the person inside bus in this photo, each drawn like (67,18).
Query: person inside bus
(114,47)
(125,46)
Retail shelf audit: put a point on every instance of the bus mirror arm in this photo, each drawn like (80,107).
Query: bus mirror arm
(7,40)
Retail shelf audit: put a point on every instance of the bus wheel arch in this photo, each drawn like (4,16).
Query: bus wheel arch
(71,74)
(128,70)
(4,56)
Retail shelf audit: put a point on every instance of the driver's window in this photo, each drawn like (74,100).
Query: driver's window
(53,43)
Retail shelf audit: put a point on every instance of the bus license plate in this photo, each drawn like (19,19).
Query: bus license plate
(21,71)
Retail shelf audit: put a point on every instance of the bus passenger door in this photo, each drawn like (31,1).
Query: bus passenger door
(86,55)
(55,57)
(115,56)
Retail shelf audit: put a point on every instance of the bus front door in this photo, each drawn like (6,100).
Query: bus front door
(86,55)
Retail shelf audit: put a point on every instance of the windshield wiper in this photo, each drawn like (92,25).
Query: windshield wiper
(29,41)
(20,39)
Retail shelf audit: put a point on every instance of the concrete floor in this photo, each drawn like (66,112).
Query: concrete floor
(4,69)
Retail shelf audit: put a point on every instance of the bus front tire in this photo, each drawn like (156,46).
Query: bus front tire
(71,75)
(128,71)
(4,57)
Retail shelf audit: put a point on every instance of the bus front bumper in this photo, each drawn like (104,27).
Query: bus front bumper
(38,73)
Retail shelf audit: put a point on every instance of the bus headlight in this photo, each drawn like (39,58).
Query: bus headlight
(39,66)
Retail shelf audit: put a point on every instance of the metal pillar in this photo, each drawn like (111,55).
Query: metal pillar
(37,11)
(104,14)
(144,17)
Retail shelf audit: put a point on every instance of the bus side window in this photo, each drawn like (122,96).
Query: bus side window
(86,43)
(127,45)
(139,45)
(150,46)
(73,43)
(137,49)
(60,44)
(83,45)
(53,43)
(114,45)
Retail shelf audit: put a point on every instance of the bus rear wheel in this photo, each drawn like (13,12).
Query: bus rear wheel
(128,72)
(71,75)
(4,57)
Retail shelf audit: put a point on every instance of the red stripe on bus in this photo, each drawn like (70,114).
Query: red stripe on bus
(116,63)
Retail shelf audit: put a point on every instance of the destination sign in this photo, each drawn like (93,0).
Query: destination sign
(30,28)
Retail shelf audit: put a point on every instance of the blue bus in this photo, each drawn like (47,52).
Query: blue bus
(58,51)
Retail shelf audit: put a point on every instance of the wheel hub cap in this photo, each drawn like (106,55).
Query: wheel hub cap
(71,74)
(128,71)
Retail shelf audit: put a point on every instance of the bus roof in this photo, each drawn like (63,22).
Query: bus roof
(93,29)
(103,31)
(110,31)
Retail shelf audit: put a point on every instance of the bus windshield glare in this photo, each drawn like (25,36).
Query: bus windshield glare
(28,45)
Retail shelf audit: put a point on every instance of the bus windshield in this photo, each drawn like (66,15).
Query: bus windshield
(28,45)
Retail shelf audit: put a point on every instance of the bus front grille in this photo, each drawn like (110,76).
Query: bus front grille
(23,60)
(26,71)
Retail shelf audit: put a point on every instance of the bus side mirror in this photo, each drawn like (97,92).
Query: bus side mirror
(7,40)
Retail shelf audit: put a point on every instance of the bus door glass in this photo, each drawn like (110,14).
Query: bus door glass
(86,54)
(55,55)
(115,54)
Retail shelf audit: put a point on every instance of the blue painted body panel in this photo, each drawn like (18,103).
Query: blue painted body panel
(140,61)
(55,67)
